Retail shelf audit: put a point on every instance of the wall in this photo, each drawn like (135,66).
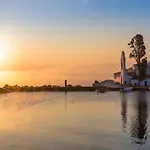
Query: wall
(148,69)
(133,82)
(117,79)
(142,83)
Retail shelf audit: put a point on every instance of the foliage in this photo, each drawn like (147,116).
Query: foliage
(138,52)
(45,88)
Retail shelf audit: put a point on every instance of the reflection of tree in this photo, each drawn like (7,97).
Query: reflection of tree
(139,121)
(124,111)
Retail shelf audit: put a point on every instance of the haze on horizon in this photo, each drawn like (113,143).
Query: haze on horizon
(48,41)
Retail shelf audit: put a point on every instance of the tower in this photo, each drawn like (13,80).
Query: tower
(123,61)
(124,74)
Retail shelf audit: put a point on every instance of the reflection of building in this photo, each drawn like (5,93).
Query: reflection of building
(139,118)
(124,111)
(139,122)
(127,76)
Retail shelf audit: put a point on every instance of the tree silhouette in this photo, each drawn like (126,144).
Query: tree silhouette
(138,52)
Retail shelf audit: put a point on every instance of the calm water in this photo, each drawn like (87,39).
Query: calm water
(75,121)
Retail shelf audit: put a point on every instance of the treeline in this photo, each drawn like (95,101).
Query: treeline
(45,88)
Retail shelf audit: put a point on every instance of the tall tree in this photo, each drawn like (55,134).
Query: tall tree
(138,52)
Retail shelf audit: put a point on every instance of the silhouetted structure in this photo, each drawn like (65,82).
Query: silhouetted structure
(66,84)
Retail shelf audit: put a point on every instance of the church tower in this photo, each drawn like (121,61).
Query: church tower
(124,74)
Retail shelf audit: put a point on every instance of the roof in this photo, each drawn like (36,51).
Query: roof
(129,70)
(117,73)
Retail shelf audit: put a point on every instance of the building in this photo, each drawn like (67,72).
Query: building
(128,76)
(106,83)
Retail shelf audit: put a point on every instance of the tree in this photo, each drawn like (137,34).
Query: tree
(143,68)
(138,52)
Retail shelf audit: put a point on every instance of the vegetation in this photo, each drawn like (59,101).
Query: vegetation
(45,88)
(138,52)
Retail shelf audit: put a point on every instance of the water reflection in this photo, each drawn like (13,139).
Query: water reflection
(91,121)
(139,120)
(124,111)
(66,101)
(24,100)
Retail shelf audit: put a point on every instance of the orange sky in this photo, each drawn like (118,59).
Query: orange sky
(49,55)
(49,41)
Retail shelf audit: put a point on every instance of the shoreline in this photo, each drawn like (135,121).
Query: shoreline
(69,89)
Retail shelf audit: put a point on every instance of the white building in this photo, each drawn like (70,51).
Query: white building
(127,76)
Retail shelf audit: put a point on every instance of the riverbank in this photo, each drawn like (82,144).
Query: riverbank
(47,89)
(134,88)
(65,89)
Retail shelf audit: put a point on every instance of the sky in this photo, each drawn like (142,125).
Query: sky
(49,41)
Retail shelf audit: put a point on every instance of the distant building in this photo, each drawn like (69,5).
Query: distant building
(105,83)
(128,76)
(96,84)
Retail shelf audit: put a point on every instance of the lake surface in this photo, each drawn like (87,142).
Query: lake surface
(75,121)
